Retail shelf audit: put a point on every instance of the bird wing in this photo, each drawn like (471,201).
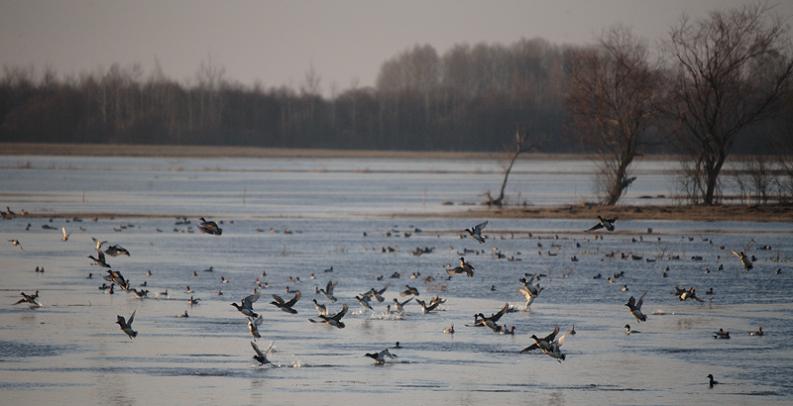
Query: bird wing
(256,348)
(329,288)
(525,292)
(131,319)
(249,300)
(258,321)
(611,220)
(406,301)
(340,314)
(64,232)
(479,227)
(550,337)
(641,300)
(101,256)
(278,299)
(294,299)
(597,226)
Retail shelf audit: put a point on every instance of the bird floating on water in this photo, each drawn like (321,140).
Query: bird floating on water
(712,382)
(209,227)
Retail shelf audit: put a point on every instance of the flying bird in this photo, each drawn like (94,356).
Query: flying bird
(253,326)
(476,232)
(608,224)
(116,250)
(29,299)
(64,234)
(126,325)
(246,305)
(259,354)
(334,320)
(464,267)
(286,306)
(636,307)
(99,260)
(745,261)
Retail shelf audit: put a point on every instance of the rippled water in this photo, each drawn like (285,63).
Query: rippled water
(71,352)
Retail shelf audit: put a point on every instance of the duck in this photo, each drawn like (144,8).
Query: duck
(328,291)
(260,357)
(721,334)
(449,329)
(530,293)
(635,307)
(757,333)
(116,250)
(99,260)
(334,320)
(253,326)
(209,227)
(712,382)
(540,343)
(399,307)
(380,357)
(193,301)
(409,290)
(476,232)
(434,303)
(745,261)
(364,301)
(286,305)
(464,267)
(246,305)
(629,331)
(321,309)
(126,325)
(376,294)
(608,224)
(29,299)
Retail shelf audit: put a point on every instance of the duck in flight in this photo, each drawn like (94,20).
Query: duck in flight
(246,305)
(334,320)
(210,227)
(530,293)
(260,356)
(126,325)
(380,357)
(399,307)
(286,306)
(328,291)
(476,232)
(433,305)
(635,307)
(542,343)
(745,261)
(321,309)
(116,250)
(99,260)
(253,326)
(64,234)
(29,299)
(463,268)
(608,224)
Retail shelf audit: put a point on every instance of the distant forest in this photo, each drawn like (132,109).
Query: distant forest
(470,98)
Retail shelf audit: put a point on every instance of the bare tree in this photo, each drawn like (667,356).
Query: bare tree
(729,71)
(521,145)
(611,92)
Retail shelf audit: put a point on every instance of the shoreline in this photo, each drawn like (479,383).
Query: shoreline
(738,213)
(211,151)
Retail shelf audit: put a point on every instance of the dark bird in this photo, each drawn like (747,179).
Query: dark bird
(434,303)
(259,354)
(608,224)
(721,334)
(476,232)
(334,320)
(253,326)
(544,342)
(636,307)
(328,291)
(712,382)
(246,305)
(380,357)
(464,267)
(757,333)
(29,299)
(286,306)
(210,227)
(409,290)
(99,260)
(116,250)
(745,261)
(399,307)
(126,325)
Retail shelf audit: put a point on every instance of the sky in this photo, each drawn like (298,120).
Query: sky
(276,42)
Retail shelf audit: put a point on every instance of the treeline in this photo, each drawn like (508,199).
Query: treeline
(468,98)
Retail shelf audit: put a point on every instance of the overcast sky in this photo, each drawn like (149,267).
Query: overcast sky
(276,42)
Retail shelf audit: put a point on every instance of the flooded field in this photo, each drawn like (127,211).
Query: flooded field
(298,218)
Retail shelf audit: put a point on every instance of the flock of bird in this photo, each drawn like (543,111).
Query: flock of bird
(530,288)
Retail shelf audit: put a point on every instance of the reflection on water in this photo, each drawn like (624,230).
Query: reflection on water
(71,352)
